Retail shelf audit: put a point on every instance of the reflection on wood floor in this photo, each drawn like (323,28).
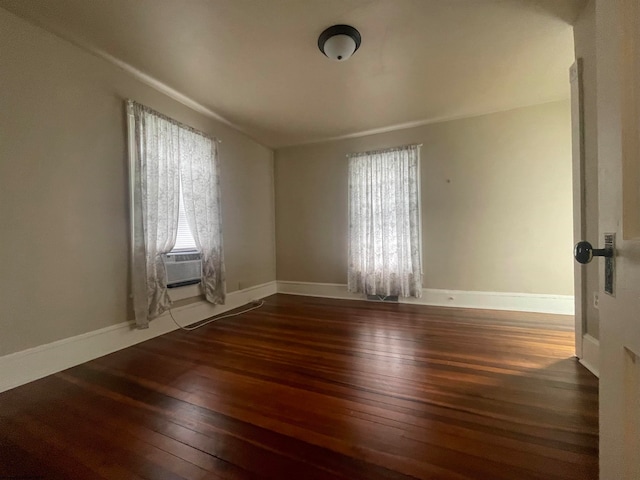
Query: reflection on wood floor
(310,388)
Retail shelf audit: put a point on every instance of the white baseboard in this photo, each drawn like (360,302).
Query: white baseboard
(522,302)
(28,365)
(591,354)
(325,290)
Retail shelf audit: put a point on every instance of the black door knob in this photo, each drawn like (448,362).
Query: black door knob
(584,252)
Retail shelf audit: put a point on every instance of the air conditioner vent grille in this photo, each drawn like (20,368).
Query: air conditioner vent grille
(382,298)
(183,269)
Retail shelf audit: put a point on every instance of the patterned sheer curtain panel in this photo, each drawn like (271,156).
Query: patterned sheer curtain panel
(162,152)
(200,173)
(384,222)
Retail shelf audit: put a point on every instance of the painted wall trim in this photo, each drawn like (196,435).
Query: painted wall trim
(579,196)
(522,302)
(139,75)
(180,97)
(27,365)
(418,123)
(591,354)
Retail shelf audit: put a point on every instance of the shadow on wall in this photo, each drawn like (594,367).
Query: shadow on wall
(566,10)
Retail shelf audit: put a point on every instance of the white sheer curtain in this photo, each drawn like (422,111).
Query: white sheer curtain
(161,149)
(384,222)
(156,195)
(200,173)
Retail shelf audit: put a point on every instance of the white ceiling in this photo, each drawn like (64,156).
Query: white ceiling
(256,62)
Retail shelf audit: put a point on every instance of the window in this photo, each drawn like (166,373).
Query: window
(384,222)
(184,238)
(174,174)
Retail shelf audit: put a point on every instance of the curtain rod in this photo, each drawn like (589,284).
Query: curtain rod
(384,150)
(131,103)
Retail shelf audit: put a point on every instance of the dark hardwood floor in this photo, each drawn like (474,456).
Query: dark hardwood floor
(310,388)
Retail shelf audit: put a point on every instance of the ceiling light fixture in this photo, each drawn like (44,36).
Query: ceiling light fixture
(339,42)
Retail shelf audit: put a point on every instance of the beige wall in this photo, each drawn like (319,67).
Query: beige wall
(585,47)
(496,203)
(63,190)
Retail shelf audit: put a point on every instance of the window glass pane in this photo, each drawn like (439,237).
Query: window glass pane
(184,238)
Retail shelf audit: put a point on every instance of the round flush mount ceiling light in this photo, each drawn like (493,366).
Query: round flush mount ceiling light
(339,42)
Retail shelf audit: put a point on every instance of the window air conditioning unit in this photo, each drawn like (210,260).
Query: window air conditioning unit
(183,269)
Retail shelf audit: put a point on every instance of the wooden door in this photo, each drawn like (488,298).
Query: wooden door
(618,58)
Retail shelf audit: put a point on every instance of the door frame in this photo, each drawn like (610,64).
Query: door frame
(579,200)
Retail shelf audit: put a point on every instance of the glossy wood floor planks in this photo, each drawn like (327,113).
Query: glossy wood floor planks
(311,388)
